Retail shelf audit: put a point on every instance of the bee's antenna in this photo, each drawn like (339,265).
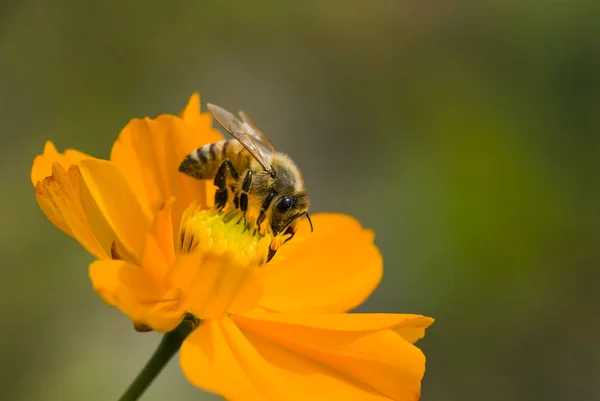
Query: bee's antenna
(298,216)
(309,221)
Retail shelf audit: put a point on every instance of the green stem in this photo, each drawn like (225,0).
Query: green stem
(168,347)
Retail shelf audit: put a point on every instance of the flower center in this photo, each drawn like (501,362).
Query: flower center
(219,250)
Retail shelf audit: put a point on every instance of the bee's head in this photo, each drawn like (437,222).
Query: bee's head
(286,210)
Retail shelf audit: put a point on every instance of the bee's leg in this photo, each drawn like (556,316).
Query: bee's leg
(264,207)
(245,188)
(291,231)
(272,253)
(221,182)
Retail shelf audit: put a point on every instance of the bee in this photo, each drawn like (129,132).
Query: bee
(249,167)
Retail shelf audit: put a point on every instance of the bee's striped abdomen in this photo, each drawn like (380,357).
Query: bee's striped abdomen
(204,162)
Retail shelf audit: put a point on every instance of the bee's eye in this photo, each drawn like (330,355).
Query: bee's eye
(284,204)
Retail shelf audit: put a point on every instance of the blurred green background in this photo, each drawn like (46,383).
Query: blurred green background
(466,134)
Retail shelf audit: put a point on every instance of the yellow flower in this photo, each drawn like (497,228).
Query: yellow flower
(275,331)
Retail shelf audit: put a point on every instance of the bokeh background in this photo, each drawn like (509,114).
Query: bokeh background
(466,134)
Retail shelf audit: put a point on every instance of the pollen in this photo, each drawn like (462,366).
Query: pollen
(221,250)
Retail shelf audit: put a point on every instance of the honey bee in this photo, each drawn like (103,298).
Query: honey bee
(249,167)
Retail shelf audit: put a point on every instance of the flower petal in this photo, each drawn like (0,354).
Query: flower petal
(133,291)
(201,122)
(358,347)
(413,329)
(159,249)
(244,364)
(93,203)
(42,168)
(160,230)
(333,269)
(149,151)
(104,276)
(114,207)
(44,200)
(42,164)
(59,197)
(214,285)
(208,361)
(408,326)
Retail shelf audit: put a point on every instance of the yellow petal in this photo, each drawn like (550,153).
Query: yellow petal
(413,329)
(214,285)
(217,357)
(242,364)
(208,362)
(159,249)
(408,326)
(166,314)
(358,347)
(131,289)
(93,203)
(333,269)
(192,108)
(45,202)
(114,207)
(42,168)
(191,114)
(149,151)
(59,197)
(201,123)
(161,230)
(104,276)
(42,164)
(133,152)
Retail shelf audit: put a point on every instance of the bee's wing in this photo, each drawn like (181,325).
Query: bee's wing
(251,140)
(257,131)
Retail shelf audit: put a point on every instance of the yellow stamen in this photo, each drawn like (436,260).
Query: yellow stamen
(219,250)
(279,240)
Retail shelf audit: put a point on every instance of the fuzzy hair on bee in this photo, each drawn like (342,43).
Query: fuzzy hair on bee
(204,162)
(250,174)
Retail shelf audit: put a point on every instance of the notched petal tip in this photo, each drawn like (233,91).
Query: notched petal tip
(42,163)
(192,107)
(200,121)
(413,328)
